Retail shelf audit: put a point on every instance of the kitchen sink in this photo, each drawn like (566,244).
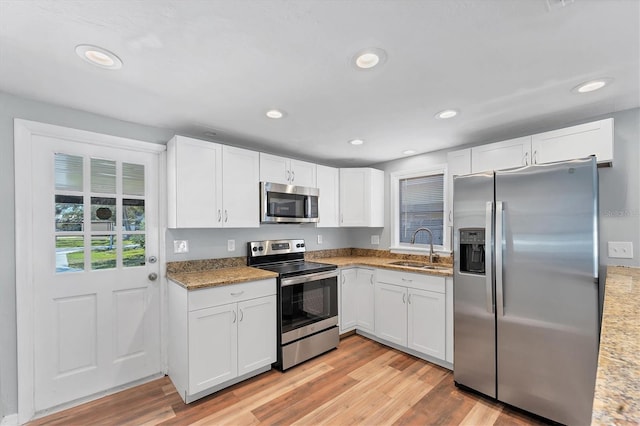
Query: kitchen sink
(420,265)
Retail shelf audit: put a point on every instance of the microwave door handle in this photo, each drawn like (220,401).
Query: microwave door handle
(307,206)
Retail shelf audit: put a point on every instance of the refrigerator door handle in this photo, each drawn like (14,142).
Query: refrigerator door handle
(489,257)
(498,247)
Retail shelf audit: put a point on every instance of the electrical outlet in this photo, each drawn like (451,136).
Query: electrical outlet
(375,240)
(319,239)
(180,246)
(621,249)
(231,245)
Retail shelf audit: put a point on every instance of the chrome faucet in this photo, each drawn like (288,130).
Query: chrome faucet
(413,241)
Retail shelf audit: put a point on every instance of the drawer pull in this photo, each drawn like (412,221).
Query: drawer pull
(407,280)
(238,293)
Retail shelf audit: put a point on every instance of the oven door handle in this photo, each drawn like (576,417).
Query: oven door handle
(301,279)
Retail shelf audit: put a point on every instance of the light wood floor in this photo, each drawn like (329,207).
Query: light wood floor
(362,382)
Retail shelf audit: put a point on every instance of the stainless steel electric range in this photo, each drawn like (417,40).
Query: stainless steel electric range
(307,299)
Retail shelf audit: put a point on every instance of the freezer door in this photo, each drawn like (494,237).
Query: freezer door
(474,361)
(547,289)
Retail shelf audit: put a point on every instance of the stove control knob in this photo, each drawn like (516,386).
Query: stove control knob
(302,245)
(260,248)
(297,245)
(255,249)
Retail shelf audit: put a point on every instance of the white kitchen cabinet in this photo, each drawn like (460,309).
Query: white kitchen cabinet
(219,336)
(391,313)
(426,322)
(194,183)
(287,171)
(328,179)
(361,197)
(449,319)
(240,188)
(211,185)
(410,311)
(357,299)
(501,155)
(580,141)
(458,163)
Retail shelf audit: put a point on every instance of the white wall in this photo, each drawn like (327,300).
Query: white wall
(619,188)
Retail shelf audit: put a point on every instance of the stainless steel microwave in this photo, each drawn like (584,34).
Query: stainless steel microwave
(288,203)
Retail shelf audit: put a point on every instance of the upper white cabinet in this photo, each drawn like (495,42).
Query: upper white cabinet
(287,171)
(458,163)
(575,142)
(328,179)
(211,185)
(240,188)
(361,197)
(579,141)
(501,155)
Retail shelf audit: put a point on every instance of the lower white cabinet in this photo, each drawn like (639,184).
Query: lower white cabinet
(220,335)
(410,311)
(357,299)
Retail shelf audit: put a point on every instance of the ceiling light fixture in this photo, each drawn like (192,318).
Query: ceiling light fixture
(356,141)
(99,57)
(590,86)
(447,113)
(274,114)
(408,152)
(369,58)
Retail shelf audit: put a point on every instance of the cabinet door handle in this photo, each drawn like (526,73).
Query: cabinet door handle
(409,299)
(404,298)
(219,215)
(371,279)
(288,176)
(450,216)
(526,158)
(293,176)
(234,317)
(241,315)
(534,160)
(226,215)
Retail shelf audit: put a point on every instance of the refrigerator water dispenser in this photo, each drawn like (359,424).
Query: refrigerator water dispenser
(472,251)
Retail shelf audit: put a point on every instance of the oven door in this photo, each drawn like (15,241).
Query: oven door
(308,304)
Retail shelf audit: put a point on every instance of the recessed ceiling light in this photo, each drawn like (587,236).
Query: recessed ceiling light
(356,141)
(98,56)
(447,113)
(274,113)
(369,58)
(408,152)
(590,86)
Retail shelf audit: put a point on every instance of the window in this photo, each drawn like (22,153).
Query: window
(418,202)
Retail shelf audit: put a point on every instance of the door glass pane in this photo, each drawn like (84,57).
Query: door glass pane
(69,213)
(103,214)
(132,215)
(103,176)
(68,171)
(103,251)
(133,252)
(132,179)
(69,253)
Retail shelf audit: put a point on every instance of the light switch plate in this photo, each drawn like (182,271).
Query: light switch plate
(621,249)
(375,239)
(319,239)
(180,246)
(231,245)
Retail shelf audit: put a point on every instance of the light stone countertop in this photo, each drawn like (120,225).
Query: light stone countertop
(617,392)
(385,263)
(217,277)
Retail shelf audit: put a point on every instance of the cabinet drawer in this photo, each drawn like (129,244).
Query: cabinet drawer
(215,296)
(407,279)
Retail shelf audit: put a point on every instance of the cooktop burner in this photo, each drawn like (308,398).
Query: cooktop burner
(297,267)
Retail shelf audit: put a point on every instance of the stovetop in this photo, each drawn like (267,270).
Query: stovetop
(294,268)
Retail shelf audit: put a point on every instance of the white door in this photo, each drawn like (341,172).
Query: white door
(94,247)
(366,295)
(391,313)
(426,322)
(348,299)
(256,333)
(240,188)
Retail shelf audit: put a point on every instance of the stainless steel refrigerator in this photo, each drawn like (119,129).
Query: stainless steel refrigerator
(526,314)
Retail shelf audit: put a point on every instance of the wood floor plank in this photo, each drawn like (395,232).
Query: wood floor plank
(362,382)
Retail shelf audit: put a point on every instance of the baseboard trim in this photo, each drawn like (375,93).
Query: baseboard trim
(10,420)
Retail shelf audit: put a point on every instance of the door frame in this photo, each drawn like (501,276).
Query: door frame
(24,130)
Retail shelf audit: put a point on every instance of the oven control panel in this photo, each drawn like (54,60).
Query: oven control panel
(274,247)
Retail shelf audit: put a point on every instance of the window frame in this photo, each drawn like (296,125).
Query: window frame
(394,191)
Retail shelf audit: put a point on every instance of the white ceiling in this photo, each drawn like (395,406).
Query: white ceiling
(195,66)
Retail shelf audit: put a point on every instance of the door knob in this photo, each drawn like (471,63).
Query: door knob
(153,276)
